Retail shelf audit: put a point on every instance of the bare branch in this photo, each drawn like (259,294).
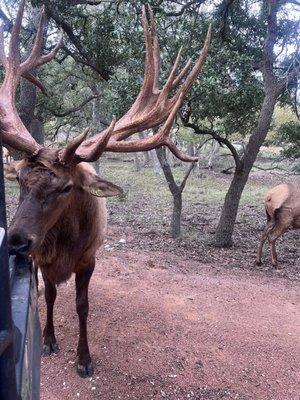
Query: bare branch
(221,140)
(186,176)
(73,109)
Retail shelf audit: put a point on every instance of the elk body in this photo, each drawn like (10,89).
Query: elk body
(282,205)
(61,218)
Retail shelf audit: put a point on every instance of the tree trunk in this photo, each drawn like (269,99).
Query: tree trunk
(170,158)
(214,150)
(37,130)
(137,162)
(97,125)
(155,161)
(146,154)
(176,214)
(147,158)
(175,190)
(223,235)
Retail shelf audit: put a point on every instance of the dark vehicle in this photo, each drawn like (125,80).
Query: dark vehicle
(20,332)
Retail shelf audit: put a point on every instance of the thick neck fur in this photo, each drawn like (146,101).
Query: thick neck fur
(72,242)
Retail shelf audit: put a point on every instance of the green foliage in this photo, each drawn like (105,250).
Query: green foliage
(290,139)
(227,96)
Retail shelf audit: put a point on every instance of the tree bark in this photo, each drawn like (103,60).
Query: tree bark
(175,190)
(146,154)
(223,235)
(28,100)
(214,150)
(137,162)
(176,214)
(97,125)
(155,162)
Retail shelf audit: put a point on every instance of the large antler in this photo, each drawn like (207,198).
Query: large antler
(152,106)
(15,133)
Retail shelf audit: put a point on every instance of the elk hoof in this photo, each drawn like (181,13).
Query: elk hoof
(85,371)
(50,348)
(258,263)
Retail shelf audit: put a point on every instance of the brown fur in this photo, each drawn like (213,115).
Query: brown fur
(282,204)
(73,231)
(71,243)
(61,224)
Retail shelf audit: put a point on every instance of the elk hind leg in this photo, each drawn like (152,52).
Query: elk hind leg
(84,366)
(266,232)
(283,222)
(50,344)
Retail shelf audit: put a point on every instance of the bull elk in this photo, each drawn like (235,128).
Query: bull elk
(61,217)
(282,205)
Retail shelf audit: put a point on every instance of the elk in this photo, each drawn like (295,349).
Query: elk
(282,205)
(61,218)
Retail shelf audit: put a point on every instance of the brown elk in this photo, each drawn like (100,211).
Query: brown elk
(282,205)
(61,217)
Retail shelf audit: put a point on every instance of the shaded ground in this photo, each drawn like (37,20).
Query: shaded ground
(162,327)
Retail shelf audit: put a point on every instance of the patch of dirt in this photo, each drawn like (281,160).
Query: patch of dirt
(165,326)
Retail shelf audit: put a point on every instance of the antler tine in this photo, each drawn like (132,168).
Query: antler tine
(152,57)
(197,67)
(101,144)
(170,81)
(14,52)
(35,58)
(68,153)
(31,78)
(48,57)
(156,51)
(182,73)
(152,106)
(37,45)
(3,58)
(16,135)
(162,134)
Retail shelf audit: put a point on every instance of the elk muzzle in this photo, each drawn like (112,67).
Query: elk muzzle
(20,243)
(24,232)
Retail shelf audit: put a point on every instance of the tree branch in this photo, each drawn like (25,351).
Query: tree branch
(186,176)
(7,21)
(182,9)
(74,109)
(268,50)
(222,141)
(76,42)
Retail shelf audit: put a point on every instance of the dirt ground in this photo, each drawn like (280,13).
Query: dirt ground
(180,319)
(164,326)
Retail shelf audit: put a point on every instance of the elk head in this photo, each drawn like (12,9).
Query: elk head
(49,178)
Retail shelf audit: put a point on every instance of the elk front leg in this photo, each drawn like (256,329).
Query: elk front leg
(84,366)
(50,345)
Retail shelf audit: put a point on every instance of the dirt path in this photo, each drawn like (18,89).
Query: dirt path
(161,331)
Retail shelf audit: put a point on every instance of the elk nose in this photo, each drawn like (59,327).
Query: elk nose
(19,244)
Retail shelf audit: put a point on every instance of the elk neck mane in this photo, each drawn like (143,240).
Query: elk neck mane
(79,231)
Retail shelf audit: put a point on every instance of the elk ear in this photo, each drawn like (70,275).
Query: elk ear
(10,171)
(101,188)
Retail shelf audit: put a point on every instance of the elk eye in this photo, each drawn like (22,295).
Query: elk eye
(67,188)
